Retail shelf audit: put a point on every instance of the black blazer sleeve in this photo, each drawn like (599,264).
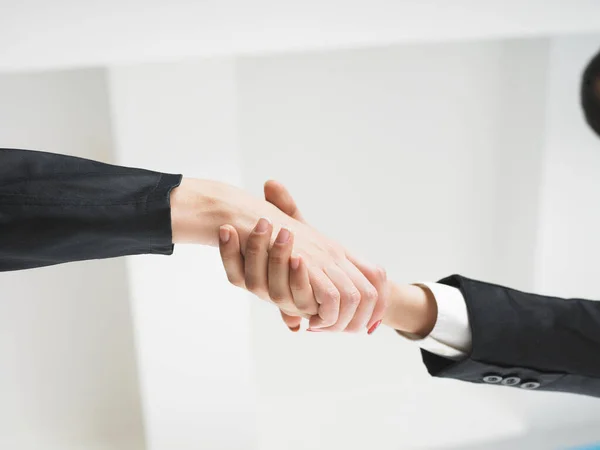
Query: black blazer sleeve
(55,209)
(526,341)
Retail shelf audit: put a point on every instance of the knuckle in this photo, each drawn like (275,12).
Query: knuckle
(235,280)
(353,297)
(228,256)
(278,296)
(253,247)
(371,295)
(336,252)
(307,309)
(277,258)
(296,285)
(253,285)
(324,320)
(332,295)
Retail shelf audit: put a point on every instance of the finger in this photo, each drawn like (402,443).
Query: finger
(368,298)
(302,292)
(349,298)
(377,276)
(278,195)
(382,302)
(279,270)
(256,258)
(327,296)
(233,261)
(292,322)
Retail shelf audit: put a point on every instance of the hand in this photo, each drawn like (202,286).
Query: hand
(199,208)
(278,276)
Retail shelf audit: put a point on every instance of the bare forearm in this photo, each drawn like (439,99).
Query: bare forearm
(412,309)
(196,213)
(200,207)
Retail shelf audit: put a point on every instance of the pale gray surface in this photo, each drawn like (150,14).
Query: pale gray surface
(401,153)
(558,438)
(66,346)
(427,159)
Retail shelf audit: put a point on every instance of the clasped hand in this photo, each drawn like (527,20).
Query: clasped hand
(334,291)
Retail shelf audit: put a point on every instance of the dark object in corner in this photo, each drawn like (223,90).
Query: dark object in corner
(590,94)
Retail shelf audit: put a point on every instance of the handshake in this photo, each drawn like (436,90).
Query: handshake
(268,249)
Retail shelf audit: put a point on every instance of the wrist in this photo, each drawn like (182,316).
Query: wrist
(197,212)
(412,309)
(200,207)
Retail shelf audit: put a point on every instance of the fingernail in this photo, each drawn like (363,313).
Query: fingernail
(283,236)
(224,235)
(374,327)
(262,225)
(295,329)
(314,330)
(295,262)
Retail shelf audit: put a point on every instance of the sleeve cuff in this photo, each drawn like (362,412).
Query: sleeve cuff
(158,215)
(451,335)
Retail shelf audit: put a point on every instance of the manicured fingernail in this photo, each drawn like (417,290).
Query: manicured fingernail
(314,330)
(374,327)
(224,235)
(283,236)
(262,225)
(295,329)
(295,262)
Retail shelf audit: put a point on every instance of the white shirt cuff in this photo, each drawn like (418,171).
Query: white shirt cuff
(451,336)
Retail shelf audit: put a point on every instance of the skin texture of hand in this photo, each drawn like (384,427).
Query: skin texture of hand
(199,208)
(273,273)
(408,308)
(412,309)
(405,307)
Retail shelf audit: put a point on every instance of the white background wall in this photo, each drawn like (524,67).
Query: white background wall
(395,152)
(68,377)
(192,327)
(453,156)
(67,33)
(567,248)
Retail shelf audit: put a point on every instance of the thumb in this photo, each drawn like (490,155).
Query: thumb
(278,195)
(292,322)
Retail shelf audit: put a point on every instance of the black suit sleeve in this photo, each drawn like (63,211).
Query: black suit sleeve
(56,209)
(526,341)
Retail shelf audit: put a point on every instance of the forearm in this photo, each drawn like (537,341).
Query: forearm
(196,214)
(524,340)
(411,309)
(200,207)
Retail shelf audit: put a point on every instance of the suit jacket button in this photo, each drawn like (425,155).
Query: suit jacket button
(511,381)
(530,385)
(492,379)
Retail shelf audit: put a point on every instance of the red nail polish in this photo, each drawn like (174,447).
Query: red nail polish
(374,327)
(295,329)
